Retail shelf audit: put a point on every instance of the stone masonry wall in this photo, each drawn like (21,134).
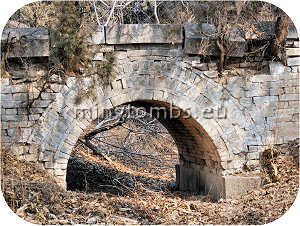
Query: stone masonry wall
(261,98)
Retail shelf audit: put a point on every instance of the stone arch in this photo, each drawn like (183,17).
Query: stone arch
(210,149)
(160,70)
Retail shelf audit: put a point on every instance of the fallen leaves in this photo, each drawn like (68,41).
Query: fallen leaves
(42,201)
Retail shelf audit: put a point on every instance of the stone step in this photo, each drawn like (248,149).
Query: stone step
(293,51)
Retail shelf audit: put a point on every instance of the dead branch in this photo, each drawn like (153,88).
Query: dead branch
(100,128)
(155,12)
(96,13)
(111,13)
(95,149)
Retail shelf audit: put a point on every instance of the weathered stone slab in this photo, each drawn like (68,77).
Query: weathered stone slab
(236,42)
(237,185)
(98,57)
(295,61)
(201,39)
(143,33)
(198,179)
(26,42)
(292,33)
(276,68)
(293,51)
(296,44)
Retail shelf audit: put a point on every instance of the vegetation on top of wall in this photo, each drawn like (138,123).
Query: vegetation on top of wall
(101,73)
(70,35)
(72,22)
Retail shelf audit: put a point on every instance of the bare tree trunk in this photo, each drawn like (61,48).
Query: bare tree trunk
(279,42)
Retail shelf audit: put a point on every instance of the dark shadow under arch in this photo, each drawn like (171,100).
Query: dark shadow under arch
(194,144)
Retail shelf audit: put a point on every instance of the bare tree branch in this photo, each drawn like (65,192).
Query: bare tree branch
(155,12)
(126,4)
(111,12)
(103,2)
(97,17)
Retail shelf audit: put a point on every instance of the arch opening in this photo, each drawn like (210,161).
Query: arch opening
(131,150)
(189,153)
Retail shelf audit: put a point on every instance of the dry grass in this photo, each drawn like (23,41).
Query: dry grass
(35,197)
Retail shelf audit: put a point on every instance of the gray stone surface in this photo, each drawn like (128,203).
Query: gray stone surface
(98,37)
(295,61)
(14,104)
(276,68)
(292,34)
(27,42)
(143,33)
(237,185)
(201,39)
(293,51)
(98,57)
(198,179)
(160,73)
(41,103)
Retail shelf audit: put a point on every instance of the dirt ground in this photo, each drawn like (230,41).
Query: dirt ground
(128,196)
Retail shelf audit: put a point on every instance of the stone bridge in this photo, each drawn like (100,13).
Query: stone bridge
(253,105)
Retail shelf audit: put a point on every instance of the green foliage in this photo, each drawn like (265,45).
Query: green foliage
(71,33)
(105,69)
(101,74)
(70,23)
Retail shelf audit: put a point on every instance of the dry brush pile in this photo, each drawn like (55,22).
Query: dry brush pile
(130,150)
